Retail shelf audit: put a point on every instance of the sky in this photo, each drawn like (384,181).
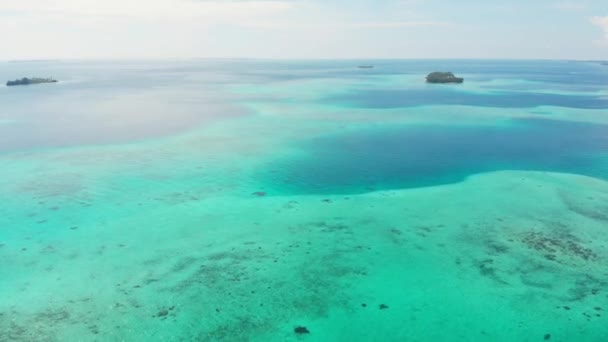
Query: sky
(302,29)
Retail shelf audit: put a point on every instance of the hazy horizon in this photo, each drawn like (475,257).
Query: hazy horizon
(292,59)
(303,29)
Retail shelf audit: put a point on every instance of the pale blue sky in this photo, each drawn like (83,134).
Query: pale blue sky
(547,29)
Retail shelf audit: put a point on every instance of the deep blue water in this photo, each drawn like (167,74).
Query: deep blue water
(118,102)
(441,95)
(416,156)
(385,156)
(100,102)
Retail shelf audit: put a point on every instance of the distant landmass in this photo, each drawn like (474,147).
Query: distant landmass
(365,67)
(28,81)
(443,77)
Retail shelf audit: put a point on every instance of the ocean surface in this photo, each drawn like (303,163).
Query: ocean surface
(238,200)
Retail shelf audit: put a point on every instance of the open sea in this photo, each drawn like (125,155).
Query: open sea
(266,200)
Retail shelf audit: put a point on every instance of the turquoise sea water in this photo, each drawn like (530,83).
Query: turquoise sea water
(236,200)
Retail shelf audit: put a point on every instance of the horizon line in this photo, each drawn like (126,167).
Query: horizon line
(25,60)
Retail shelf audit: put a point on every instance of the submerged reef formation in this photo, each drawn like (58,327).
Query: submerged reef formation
(28,81)
(301,330)
(554,248)
(443,77)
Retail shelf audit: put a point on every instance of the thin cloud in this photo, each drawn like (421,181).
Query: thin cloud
(400,24)
(168,9)
(569,6)
(348,25)
(602,23)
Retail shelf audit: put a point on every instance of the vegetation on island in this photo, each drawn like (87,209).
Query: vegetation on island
(28,81)
(443,77)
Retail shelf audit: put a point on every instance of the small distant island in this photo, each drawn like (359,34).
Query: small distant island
(365,67)
(28,81)
(443,77)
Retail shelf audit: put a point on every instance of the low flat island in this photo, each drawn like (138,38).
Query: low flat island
(28,81)
(443,77)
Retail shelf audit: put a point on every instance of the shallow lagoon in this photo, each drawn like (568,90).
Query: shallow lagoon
(237,200)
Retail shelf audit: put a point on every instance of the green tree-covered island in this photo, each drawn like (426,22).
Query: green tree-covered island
(28,81)
(443,77)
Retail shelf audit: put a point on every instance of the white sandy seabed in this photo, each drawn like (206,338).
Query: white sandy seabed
(502,256)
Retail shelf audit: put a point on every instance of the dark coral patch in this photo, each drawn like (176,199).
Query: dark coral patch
(564,245)
(300,330)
